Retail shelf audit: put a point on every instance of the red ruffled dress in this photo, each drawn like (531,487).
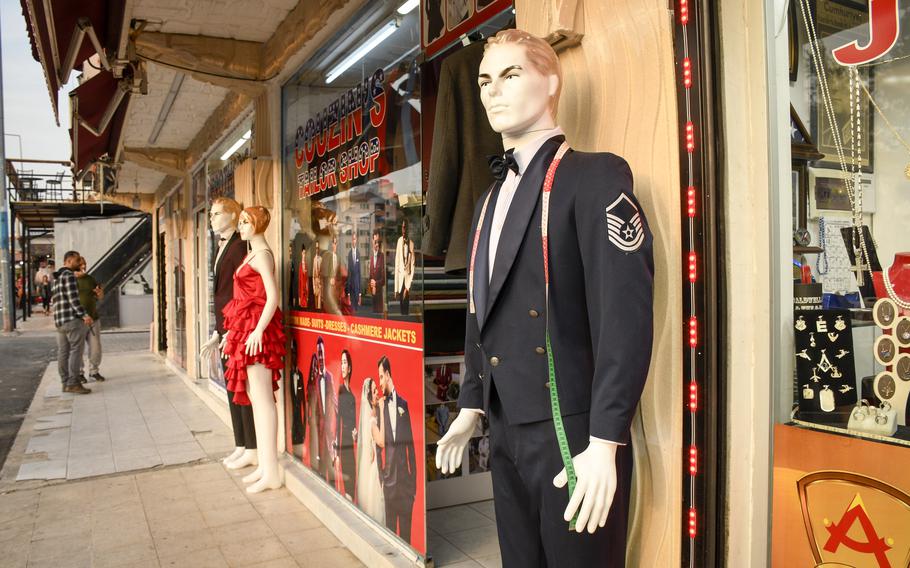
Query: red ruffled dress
(241,315)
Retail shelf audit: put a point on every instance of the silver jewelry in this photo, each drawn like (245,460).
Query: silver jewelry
(840,325)
(801,324)
(821,325)
(884,312)
(885,406)
(824,364)
(844,389)
(804,355)
(808,393)
(842,353)
(814,378)
(881,419)
(835,373)
(833,336)
(811,340)
(902,331)
(891,293)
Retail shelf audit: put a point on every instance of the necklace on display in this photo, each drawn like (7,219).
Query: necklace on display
(892,293)
(890,126)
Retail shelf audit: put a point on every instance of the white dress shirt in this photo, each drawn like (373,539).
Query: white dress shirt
(222,244)
(523,157)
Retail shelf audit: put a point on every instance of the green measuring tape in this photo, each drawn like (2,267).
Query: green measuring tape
(551,365)
(554,394)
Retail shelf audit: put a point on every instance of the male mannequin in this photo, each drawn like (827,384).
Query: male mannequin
(352,285)
(600,322)
(223,217)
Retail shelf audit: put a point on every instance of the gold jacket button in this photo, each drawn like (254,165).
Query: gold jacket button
(494,361)
(540,350)
(533,313)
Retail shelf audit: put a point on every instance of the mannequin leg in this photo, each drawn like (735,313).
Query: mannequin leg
(265,414)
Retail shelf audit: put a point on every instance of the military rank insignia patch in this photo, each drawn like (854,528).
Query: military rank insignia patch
(624,228)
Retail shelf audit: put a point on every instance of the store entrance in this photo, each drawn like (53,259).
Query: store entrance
(161,290)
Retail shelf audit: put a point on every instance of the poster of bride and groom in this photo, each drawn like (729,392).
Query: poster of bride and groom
(354,409)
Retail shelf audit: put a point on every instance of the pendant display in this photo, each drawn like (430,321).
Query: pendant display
(902,331)
(885,349)
(902,367)
(889,388)
(826,339)
(826,399)
(884,312)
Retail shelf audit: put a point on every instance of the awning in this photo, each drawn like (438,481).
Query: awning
(99,108)
(64,33)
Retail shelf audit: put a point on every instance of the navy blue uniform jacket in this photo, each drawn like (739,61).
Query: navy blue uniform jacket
(601,297)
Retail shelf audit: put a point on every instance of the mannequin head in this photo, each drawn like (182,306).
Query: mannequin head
(253,221)
(520,81)
(224,215)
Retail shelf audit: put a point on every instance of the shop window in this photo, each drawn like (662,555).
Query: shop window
(850,187)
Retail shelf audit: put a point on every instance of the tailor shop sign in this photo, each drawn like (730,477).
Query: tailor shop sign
(839,502)
(341,145)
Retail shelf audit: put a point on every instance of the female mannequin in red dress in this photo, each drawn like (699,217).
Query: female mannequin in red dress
(255,345)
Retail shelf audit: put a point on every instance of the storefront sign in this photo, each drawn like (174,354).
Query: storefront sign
(884,29)
(839,501)
(340,146)
(442,22)
(364,436)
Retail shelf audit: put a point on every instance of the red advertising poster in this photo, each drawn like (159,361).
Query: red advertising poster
(355,414)
(444,21)
(839,501)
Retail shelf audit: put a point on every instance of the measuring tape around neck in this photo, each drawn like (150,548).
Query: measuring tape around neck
(558,425)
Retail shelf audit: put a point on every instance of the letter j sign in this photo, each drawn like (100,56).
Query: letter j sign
(884,28)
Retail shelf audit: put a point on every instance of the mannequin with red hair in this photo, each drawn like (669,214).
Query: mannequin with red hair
(255,344)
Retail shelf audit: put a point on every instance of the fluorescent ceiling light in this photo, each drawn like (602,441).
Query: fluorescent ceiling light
(408,6)
(358,54)
(236,145)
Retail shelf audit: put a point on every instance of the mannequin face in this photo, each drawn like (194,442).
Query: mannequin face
(514,93)
(245,226)
(220,219)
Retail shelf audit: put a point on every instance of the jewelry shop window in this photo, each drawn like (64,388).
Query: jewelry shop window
(849,78)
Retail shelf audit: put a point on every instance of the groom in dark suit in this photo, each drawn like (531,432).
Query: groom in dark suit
(322,415)
(399,474)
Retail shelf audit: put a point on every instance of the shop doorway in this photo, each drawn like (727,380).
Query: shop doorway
(161,291)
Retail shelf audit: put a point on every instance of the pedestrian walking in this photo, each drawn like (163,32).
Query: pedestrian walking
(71,320)
(89,294)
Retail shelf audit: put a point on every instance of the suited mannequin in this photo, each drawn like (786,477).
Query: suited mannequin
(599,316)
(223,217)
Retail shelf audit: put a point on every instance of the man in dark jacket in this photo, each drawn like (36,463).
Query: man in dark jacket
(71,321)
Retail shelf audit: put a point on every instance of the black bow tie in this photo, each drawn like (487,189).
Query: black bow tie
(222,239)
(500,165)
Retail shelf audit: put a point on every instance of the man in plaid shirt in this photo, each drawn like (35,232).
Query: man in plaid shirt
(71,320)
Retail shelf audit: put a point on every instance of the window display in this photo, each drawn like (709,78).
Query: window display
(352,209)
(855,201)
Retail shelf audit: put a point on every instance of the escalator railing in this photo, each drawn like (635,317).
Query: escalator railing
(119,263)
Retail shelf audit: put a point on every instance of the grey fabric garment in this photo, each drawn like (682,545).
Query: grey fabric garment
(93,339)
(70,342)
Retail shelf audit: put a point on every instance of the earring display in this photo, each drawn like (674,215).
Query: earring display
(885,349)
(825,368)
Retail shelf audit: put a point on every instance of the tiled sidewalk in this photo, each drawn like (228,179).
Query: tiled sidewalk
(141,417)
(129,476)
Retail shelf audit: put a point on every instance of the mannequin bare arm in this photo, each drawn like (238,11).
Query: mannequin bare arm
(264,265)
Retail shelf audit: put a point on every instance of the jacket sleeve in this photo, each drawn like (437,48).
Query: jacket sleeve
(71,294)
(619,290)
(471,393)
(442,189)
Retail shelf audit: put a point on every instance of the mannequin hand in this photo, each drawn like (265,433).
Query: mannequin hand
(223,344)
(595,469)
(209,346)
(254,342)
(450,448)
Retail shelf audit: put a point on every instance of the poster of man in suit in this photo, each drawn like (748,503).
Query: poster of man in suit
(367,441)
